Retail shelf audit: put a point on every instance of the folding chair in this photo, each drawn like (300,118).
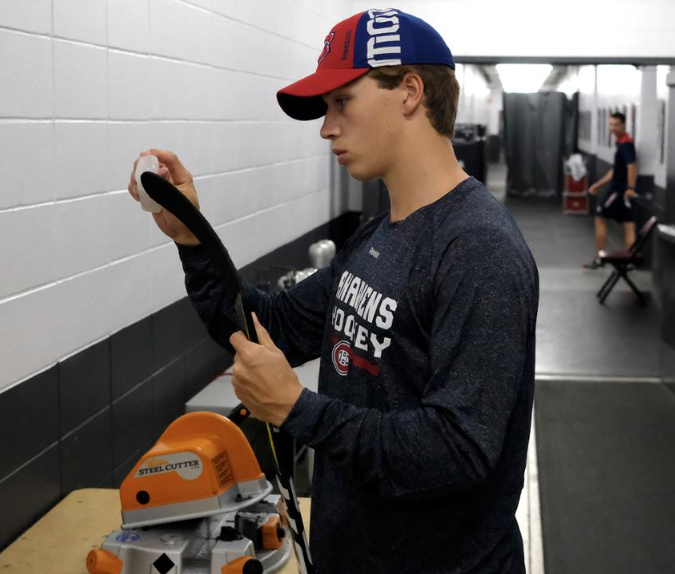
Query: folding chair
(623,262)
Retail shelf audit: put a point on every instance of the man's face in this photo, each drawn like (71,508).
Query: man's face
(616,126)
(363,122)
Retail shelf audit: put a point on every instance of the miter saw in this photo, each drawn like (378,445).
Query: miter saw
(197,503)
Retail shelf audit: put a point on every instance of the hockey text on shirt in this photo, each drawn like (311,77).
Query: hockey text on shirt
(370,307)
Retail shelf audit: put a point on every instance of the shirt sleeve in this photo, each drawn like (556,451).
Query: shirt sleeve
(481,351)
(295,318)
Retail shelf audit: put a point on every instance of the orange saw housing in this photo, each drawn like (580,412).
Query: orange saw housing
(201,456)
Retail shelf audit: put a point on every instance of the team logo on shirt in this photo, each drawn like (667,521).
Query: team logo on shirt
(341,352)
(360,325)
(326,46)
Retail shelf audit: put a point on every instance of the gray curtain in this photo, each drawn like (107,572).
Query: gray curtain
(535,128)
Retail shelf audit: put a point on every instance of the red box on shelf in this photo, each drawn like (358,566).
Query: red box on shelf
(575,203)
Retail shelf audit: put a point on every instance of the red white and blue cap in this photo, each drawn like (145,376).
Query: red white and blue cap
(355,46)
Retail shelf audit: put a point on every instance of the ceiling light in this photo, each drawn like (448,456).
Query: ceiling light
(523,78)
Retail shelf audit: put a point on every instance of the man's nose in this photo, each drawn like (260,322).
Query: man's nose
(329,129)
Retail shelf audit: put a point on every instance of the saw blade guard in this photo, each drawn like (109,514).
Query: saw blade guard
(201,465)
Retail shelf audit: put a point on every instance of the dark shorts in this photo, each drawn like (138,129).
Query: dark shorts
(612,205)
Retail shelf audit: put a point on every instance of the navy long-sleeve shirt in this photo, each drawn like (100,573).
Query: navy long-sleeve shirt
(426,331)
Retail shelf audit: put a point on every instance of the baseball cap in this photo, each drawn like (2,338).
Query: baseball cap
(367,40)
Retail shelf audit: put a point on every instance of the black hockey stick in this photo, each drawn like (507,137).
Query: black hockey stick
(171,199)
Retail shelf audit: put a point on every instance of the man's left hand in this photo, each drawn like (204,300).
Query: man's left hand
(262,377)
(630,193)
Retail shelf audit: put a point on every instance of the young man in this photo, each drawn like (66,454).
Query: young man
(616,203)
(424,322)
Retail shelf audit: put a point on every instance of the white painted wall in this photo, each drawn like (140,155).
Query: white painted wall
(87,86)
(617,86)
(549,28)
(661,124)
(475,98)
(495,106)
(586,80)
(604,87)
(646,138)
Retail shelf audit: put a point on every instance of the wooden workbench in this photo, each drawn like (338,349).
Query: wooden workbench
(60,541)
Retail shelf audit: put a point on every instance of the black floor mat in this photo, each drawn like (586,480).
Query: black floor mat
(606,456)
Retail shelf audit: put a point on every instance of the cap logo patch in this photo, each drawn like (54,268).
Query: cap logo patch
(383,41)
(326,46)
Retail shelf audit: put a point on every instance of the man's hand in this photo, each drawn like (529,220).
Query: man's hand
(171,169)
(594,188)
(262,377)
(630,193)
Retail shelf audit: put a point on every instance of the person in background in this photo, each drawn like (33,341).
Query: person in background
(616,202)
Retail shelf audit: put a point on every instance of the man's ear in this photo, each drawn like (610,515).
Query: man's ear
(413,87)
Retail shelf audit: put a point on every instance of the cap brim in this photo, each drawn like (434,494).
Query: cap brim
(302,100)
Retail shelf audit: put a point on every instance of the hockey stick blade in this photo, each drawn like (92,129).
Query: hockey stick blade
(171,199)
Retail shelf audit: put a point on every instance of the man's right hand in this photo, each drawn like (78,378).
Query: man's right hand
(594,188)
(171,169)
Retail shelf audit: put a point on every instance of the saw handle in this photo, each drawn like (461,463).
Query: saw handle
(100,561)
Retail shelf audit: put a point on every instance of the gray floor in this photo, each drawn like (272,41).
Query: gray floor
(606,471)
(575,335)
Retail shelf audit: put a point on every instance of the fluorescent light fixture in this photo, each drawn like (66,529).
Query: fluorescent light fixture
(523,78)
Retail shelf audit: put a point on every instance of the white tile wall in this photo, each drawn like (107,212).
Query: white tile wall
(131,232)
(86,87)
(31,256)
(207,4)
(130,95)
(80,81)
(84,21)
(167,281)
(83,228)
(27,165)
(191,141)
(29,337)
(128,25)
(27,76)
(129,292)
(240,193)
(79,149)
(84,310)
(33,16)
(281,18)
(205,187)
(181,31)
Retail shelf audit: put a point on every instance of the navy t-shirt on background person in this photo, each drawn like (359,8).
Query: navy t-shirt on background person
(613,204)
(426,332)
(625,154)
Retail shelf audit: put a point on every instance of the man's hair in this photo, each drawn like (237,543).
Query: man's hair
(441,91)
(619,116)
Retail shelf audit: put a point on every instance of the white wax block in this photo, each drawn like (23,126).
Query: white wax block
(147,163)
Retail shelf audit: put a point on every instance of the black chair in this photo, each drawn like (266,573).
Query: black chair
(624,261)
